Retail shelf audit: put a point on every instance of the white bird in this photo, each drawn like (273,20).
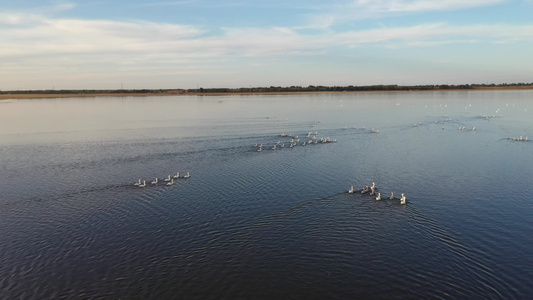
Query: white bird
(402,200)
(372,190)
(171,182)
(156,181)
(474,129)
(167,179)
(351,190)
(142,185)
(137,183)
(378,197)
(177,175)
(392,195)
(373,185)
(187,176)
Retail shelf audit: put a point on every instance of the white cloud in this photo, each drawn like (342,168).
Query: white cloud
(54,38)
(167,3)
(420,5)
(348,11)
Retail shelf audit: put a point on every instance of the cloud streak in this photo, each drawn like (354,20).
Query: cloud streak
(420,5)
(58,37)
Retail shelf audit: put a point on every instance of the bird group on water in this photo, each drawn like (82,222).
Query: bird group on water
(168,181)
(371,190)
(519,139)
(463,128)
(295,140)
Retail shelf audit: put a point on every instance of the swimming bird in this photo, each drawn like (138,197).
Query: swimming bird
(187,176)
(156,181)
(142,185)
(177,175)
(378,197)
(372,191)
(137,183)
(171,182)
(392,195)
(402,200)
(365,190)
(350,191)
(167,179)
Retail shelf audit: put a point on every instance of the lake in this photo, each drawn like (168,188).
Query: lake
(270,224)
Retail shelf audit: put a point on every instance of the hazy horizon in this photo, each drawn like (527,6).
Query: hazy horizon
(188,44)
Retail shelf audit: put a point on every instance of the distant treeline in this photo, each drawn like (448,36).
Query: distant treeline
(142,91)
(279,89)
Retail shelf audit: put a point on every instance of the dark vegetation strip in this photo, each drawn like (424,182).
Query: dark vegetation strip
(279,89)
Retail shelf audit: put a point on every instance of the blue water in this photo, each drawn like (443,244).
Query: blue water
(271,224)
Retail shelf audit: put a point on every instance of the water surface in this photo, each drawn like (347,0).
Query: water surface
(271,224)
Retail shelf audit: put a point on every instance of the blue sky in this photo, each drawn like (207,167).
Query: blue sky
(240,43)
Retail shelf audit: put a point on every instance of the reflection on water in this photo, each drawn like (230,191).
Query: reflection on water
(270,224)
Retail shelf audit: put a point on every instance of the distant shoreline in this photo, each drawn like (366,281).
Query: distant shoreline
(133,94)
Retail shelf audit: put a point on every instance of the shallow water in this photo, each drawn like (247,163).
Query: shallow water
(271,224)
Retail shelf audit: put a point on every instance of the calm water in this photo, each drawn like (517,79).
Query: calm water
(271,224)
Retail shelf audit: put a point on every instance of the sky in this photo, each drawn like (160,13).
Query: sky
(138,44)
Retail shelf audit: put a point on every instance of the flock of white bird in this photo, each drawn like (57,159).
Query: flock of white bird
(310,139)
(464,128)
(371,190)
(168,181)
(519,139)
